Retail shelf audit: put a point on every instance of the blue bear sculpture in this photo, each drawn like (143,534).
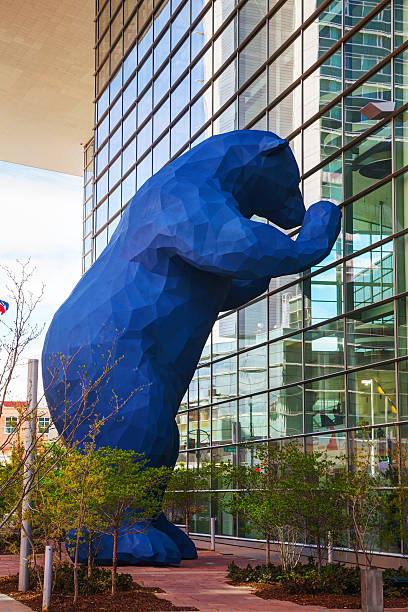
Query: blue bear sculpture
(185,250)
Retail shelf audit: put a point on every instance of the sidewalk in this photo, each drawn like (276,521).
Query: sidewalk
(200,583)
(10,605)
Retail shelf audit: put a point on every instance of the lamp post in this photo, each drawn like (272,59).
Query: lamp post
(370,383)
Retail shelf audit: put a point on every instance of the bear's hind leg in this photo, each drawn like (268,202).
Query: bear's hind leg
(149,546)
(184,544)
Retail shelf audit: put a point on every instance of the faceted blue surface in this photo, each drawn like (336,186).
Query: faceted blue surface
(185,250)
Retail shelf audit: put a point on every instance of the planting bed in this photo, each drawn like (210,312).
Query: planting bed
(136,599)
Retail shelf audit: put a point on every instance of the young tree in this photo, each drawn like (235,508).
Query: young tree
(69,499)
(182,495)
(288,494)
(364,503)
(131,497)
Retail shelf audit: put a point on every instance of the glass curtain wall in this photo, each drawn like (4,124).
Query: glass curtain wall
(321,356)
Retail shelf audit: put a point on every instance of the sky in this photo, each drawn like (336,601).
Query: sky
(41,219)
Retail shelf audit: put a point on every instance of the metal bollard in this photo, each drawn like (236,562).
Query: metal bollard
(329,548)
(212,532)
(47,578)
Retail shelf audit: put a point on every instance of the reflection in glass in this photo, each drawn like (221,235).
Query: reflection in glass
(180,60)
(333,444)
(252,100)
(368,161)
(252,324)
(201,111)
(180,133)
(403,389)
(324,349)
(286,412)
(326,80)
(368,219)
(144,138)
(201,33)
(372,396)
(129,186)
(374,448)
(180,96)
(129,156)
(325,404)
(144,170)
(253,375)
(370,335)
(224,376)
(129,95)
(323,296)
(224,422)
(402,326)
(129,125)
(161,50)
(161,119)
(369,277)
(204,385)
(224,86)
(253,418)
(161,153)
(181,421)
(285,361)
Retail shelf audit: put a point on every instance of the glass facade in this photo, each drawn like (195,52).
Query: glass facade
(323,356)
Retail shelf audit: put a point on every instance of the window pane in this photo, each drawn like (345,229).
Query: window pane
(325,404)
(368,161)
(402,330)
(286,412)
(225,45)
(368,219)
(181,420)
(252,324)
(401,250)
(253,375)
(253,418)
(180,97)
(323,296)
(201,111)
(225,379)
(370,335)
(161,153)
(252,56)
(162,50)
(224,422)
(180,133)
(252,101)
(372,396)
(369,277)
(161,119)
(324,349)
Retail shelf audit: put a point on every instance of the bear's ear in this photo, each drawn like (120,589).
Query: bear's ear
(272,144)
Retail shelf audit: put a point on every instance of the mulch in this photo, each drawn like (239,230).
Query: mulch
(138,599)
(327,600)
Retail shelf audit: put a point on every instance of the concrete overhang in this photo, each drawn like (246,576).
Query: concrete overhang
(46,82)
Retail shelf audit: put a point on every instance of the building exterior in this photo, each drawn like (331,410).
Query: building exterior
(323,357)
(12,426)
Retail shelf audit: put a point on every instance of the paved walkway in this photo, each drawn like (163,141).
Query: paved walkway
(200,583)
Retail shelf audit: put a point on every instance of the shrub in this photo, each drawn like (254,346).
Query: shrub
(334,578)
(100,581)
(259,573)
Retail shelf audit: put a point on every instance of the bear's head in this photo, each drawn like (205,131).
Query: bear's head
(259,169)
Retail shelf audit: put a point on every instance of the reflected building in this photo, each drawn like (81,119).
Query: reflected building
(323,356)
